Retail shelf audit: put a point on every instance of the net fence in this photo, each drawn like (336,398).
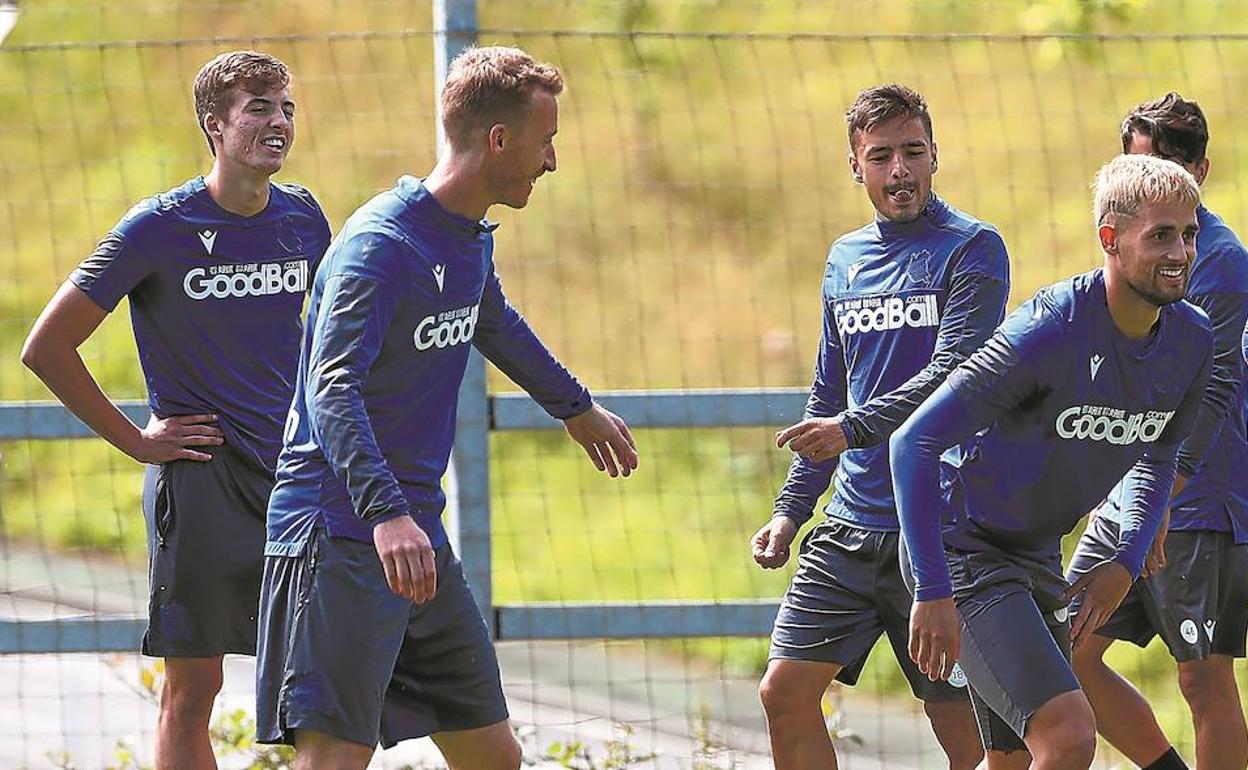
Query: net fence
(680,246)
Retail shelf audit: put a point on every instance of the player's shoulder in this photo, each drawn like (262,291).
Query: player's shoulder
(298,197)
(969,228)
(1055,308)
(848,247)
(1221,259)
(1190,316)
(152,215)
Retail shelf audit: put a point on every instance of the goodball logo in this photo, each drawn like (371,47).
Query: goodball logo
(250,280)
(446,329)
(1113,426)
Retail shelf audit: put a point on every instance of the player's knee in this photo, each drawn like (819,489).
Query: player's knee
(1206,687)
(784,695)
(189,691)
(1066,734)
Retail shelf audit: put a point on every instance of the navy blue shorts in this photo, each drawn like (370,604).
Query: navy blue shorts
(847,591)
(1197,604)
(1015,639)
(341,654)
(205,547)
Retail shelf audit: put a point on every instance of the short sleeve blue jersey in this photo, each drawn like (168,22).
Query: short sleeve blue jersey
(215,301)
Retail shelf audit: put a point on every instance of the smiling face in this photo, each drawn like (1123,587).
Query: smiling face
(895,161)
(1152,251)
(256,131)
(523,149)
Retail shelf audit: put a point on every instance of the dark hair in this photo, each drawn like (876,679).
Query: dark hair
(492,85)
(1176,126)
(875,105)
(251,71)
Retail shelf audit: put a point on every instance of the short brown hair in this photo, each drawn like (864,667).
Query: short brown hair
(251,71)
(492,85)
(875,105)
(1176,125)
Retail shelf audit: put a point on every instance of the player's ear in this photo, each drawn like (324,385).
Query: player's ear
(1109,238)
(934,163)
(855,170)
(498,138)
(1202,171)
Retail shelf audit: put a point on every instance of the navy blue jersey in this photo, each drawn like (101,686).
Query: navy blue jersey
(406,287)
(215,300)
(1041,423)
(903,304)
(1215,456)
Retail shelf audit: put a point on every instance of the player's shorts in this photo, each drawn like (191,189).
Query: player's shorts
(341,654)
(205,547)
(1015,639)
(1197,604)
(846,592)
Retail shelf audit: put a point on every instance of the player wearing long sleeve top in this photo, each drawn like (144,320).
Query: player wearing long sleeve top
(1194,591)
(906,298)
(392,645)
(1097,377)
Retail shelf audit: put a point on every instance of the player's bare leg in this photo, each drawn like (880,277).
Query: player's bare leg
(318,751)
(1210,690)
(493,747)
(1061,735)
(191,686)
(1123,716)
(953,722)
(792,695)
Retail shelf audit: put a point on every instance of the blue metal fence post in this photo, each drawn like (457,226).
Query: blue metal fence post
(455,28)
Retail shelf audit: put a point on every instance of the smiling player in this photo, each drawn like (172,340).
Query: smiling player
(216,271)
(392,645)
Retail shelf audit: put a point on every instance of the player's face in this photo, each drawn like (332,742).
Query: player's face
(527,150)
(258,130)
(1153,251)
(895,162)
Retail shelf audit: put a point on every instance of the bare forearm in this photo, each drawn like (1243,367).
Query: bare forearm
(65,374)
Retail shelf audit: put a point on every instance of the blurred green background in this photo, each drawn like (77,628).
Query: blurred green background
(701,178)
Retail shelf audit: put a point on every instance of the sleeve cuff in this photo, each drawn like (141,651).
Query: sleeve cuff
(386,514)
(933,592)
(797,517)
(851,433)
(1132,564)
(562,410)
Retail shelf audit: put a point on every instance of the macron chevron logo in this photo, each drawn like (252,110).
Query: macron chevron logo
(852,272)
(439,275)
(207,237)
(1095,364)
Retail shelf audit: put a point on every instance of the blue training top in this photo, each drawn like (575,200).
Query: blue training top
(1215,456)
(1046,418)
(215,301)
(903,304)
(404,289)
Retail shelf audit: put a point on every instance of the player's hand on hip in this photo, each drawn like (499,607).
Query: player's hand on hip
(816,438)
(935,637)
(606,439)
(175,438)
(771,543)
(407,557)
(1103,588)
